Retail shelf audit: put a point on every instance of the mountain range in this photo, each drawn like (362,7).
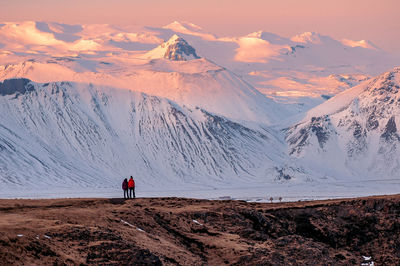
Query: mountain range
(307,65)
(180,108)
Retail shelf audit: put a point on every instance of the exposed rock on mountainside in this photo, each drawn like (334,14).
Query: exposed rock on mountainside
(15,86)
(172,231)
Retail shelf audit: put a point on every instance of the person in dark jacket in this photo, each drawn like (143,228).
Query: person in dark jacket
(131,186)
(125,188)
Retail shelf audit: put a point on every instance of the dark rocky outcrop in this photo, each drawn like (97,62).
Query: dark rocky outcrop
(390,132)
(14,86)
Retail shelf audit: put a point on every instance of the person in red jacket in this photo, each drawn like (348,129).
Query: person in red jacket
(131,186)
(125,188)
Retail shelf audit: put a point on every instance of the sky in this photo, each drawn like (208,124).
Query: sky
(374,20)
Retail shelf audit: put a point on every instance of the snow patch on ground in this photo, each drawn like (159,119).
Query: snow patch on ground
(131,225)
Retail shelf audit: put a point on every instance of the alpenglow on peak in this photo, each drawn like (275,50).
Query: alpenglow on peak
(176,48)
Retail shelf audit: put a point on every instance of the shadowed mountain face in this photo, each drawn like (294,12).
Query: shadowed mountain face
(173,231)
(15,86)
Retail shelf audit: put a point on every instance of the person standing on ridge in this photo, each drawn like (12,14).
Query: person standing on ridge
(125,188)
(131,186)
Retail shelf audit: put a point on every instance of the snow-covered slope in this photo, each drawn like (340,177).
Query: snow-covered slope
(74,135)
(354,133)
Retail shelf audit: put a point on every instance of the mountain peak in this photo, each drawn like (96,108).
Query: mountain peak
(176,49)
(174,38)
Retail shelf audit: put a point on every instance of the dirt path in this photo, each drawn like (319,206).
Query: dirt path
(175,231)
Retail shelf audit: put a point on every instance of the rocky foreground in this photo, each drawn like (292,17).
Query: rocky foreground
(175,231)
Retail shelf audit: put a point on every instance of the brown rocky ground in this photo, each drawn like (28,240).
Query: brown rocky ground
(155,231)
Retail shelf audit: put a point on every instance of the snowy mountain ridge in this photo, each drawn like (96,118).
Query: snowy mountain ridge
(356,131)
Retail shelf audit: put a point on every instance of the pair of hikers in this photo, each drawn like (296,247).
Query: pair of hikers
(129,185)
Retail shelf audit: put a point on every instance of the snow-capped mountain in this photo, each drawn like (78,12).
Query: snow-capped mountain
(194,83)
(63,134)
(176,48)
(354,133)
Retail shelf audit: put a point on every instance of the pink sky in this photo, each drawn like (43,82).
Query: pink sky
(375,20)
